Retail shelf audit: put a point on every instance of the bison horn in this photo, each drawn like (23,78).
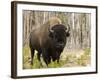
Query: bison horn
(51,30)
(68,28)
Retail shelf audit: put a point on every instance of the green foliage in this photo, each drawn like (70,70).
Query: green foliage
(36,63)
(87,51)
(84,59)
(26,58)
(53,64)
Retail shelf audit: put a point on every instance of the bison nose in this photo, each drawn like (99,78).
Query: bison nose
(61,44)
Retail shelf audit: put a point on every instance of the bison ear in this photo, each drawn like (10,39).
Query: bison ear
(51,34)
(67,34)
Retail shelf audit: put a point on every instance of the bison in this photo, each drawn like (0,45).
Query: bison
(49,40)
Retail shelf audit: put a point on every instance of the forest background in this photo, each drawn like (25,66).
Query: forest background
(78,45)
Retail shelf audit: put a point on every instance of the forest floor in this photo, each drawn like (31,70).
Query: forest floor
(69,58)
(76,58)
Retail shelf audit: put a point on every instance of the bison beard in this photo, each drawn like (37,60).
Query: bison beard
(49,41)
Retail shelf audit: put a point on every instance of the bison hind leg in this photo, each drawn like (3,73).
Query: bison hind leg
(39,55)
(32,55)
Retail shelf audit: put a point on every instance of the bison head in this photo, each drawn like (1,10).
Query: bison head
(59,33)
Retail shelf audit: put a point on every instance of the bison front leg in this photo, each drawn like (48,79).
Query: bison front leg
(39,56)
(46,57)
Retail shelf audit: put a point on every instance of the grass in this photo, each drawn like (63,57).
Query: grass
(70,60)
(85,58)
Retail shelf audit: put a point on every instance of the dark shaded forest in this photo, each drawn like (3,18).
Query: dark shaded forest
(79,42)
